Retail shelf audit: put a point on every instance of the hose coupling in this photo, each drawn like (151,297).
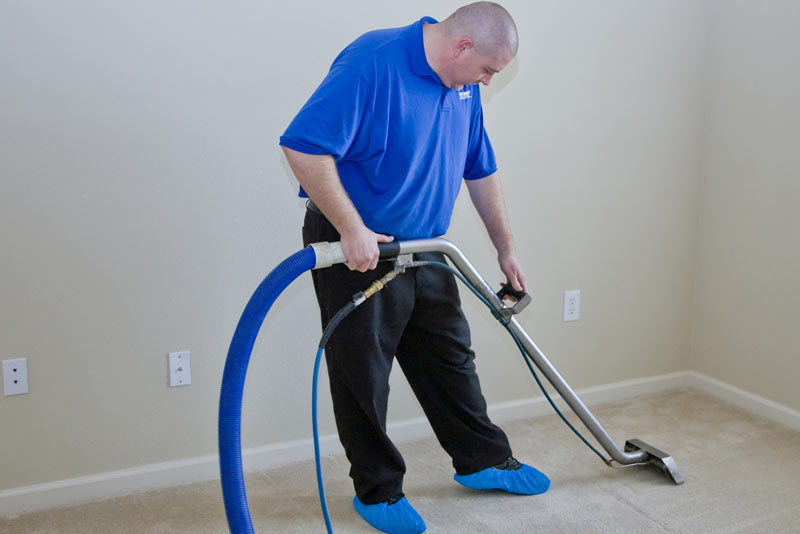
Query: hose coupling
(377,285)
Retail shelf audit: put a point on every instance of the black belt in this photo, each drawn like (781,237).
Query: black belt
(312,207)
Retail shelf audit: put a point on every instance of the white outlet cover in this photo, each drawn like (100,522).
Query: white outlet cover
(15,377)
(572,305)
(180,369)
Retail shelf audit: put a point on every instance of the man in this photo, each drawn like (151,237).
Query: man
(381,149)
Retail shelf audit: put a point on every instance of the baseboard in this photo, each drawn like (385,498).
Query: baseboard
(744,399)
(591,396)
(90,488)
(154,476)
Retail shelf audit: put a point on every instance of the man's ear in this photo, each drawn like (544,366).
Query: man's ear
(462,45)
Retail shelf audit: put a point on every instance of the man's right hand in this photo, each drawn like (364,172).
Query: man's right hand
(360,247)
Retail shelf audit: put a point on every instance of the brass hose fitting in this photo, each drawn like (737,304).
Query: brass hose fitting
(375,286)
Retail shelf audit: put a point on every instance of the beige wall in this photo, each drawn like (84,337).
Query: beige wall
(144,198)
(748,278)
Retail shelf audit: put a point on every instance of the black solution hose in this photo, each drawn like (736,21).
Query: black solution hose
(358,299)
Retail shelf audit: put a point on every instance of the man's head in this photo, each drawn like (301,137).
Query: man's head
(473,44)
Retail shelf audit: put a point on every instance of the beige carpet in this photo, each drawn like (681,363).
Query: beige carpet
(742,476)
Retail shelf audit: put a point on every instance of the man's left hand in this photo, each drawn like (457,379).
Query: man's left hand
(513,271)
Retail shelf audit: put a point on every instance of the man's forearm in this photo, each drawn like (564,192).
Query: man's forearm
(487,196)
(320,179)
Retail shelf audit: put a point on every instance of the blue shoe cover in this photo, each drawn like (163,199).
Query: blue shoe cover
(397,518)
(525,480)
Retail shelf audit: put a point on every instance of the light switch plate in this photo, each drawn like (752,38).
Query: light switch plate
(180,369)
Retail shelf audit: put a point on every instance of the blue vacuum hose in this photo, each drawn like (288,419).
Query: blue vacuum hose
(230,403)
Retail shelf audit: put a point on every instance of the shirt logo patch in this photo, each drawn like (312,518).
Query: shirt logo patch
(465,94)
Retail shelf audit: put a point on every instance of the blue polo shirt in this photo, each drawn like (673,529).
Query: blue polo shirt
(401,140)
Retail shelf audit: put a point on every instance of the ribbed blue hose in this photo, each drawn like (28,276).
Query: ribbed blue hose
(230,402)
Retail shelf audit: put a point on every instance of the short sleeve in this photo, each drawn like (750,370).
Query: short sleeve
(480,154)
(329,121)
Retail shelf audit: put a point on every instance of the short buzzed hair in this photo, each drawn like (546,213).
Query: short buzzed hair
(488,24)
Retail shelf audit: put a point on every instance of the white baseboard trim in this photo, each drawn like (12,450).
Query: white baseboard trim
(95,487)
(155,476)
(744,399)
(591,396)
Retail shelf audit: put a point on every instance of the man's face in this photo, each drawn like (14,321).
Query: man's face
(473,67)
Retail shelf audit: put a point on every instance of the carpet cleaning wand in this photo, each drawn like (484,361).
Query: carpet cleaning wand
(323,255)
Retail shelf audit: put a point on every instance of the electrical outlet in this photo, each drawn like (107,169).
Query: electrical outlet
(180,369)
(572,305)
(15,377)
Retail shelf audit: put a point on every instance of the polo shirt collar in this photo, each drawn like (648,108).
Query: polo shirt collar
(416,46)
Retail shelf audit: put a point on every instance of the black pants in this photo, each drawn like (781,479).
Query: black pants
(417,318)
